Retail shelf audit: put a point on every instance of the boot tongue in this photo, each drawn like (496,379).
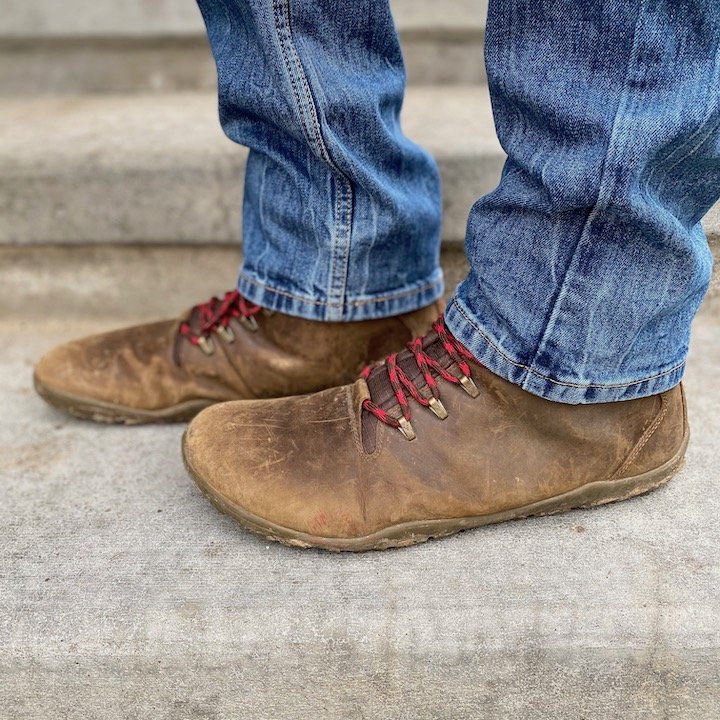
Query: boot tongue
(378,382)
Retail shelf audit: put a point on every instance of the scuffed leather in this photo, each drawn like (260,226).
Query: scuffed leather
(300,463)
(136,367)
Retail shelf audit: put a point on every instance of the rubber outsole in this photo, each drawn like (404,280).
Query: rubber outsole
(412,533)
(99,411)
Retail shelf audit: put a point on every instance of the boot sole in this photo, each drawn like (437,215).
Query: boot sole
(86,408)
(412,533)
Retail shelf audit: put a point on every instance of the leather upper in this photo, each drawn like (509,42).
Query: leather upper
(151,367)
(301,462)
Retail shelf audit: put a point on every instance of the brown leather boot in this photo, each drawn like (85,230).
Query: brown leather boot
(220,350)
(423,446)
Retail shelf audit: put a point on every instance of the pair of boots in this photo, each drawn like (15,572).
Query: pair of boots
(302,445)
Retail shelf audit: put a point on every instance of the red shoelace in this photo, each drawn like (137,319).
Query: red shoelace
(214,317)
(430,368)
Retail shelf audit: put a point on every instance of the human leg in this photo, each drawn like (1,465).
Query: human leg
(341,227)
(341,212)
(588,260)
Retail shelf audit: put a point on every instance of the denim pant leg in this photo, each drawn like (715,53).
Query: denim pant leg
(341,214)
(588,262)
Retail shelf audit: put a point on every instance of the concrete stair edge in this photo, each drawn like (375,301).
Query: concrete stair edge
(168,18)
(123,283)
(66,66)
(128,169)
(160,45)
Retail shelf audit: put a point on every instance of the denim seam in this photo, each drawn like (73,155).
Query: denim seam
(552,317)
(352,303)
(310,122)
(562,383)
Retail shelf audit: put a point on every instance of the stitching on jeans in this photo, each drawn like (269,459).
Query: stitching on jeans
(342,226)
(281,13)
(643,440)
(345,204)
(354,303)
(552,380)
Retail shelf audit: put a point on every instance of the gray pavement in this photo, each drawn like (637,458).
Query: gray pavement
(124,594)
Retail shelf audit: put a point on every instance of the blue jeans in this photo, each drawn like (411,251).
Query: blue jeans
(588,262)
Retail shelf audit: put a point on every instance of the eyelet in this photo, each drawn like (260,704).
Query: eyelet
(206,345)
(438,408)
(406,429)
(226,334)
(469,386)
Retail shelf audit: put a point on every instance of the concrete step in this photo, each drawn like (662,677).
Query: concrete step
(181,18)
(128,596)
(157,170)
(129,281)
(160,45)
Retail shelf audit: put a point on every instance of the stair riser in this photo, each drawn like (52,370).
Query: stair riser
(145,170)
(58,66)
(166,205)
(177,18)
(143,46)
(130,282)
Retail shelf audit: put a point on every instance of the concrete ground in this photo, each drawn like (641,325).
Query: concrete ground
(126,595)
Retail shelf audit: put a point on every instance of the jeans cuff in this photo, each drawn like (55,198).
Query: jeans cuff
(477,338)
(360,307)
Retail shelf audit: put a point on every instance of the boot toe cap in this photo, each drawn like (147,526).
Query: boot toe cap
(128,368)
(60,370)
(291,462)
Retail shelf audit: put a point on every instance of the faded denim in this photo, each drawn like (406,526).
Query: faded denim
(588,261)
(341,216)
